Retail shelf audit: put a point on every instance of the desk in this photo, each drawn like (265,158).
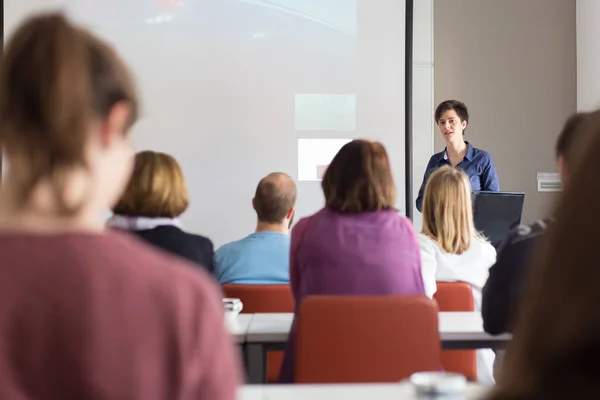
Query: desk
(464,331)
(458,330)
(238,326)
(403,391)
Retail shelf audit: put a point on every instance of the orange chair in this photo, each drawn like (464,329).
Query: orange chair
(349,339)
(457,296)
(264,299)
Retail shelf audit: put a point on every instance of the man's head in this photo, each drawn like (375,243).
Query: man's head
(565,143)
(274,199)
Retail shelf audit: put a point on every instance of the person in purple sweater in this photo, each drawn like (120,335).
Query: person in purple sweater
(357,244)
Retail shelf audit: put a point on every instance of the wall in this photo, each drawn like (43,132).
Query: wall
(588,57)
(423,67)
(513,62)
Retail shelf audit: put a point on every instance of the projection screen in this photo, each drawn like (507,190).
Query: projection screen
(236,89)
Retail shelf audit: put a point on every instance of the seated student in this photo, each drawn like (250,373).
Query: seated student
(151,205)
(263,256)
(451,249)
(503,287)
(89,313)
(555,347)
(357,244)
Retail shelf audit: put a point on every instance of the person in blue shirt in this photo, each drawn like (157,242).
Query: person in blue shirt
(452,118)
(264,256)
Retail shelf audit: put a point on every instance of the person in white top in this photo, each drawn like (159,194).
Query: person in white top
(451,248)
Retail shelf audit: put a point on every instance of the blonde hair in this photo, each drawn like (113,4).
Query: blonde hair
(447,210)
(156,189)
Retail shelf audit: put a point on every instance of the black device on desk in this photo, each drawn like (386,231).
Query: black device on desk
(496,213)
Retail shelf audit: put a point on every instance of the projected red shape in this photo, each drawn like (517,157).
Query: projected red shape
(321,171)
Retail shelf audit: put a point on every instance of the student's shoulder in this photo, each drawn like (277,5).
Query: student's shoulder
(405,222)
(424,240)
(525,232)
(173,234)
(485,247)
(195,238)
(127,258)
(426,244)
(524,236)
(304,222)
(228,248)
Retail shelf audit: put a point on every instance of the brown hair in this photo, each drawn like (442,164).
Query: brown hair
(554,353)
(457,106)
(359,179)
(567,136)
(156,189)
(275,196)
(56,81)
(447,210)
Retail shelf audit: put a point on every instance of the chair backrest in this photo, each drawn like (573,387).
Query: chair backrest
(457,296)
(454,296)
(262,298)
(366,338)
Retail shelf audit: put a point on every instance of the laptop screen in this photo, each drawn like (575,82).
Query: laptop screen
(496,213)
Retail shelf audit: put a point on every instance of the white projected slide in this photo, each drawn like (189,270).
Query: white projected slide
(314,155)
(325,112)
(232,88)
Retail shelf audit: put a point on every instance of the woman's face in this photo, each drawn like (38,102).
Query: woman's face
(451,127)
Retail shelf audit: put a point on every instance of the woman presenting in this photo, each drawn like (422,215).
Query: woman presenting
(452,118)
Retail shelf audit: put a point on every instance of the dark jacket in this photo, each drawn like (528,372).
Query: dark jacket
(195,248)
(503,287)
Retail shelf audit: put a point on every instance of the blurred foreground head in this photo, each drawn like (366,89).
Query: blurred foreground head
(67,101)
(554,353)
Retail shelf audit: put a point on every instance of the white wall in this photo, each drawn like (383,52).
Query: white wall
(588,55)
(423,103)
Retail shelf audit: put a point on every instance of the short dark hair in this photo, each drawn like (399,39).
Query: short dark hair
(359,179)
(275,196)
(458,106)
(565,140)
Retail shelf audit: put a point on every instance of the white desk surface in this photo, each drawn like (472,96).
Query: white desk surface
(273,327)
(459,326)
(238,326)
(396,391)
(465,326)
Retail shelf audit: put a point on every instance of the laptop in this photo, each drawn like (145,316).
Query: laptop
(495,214)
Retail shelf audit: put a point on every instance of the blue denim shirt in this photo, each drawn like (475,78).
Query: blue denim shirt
(477,164)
